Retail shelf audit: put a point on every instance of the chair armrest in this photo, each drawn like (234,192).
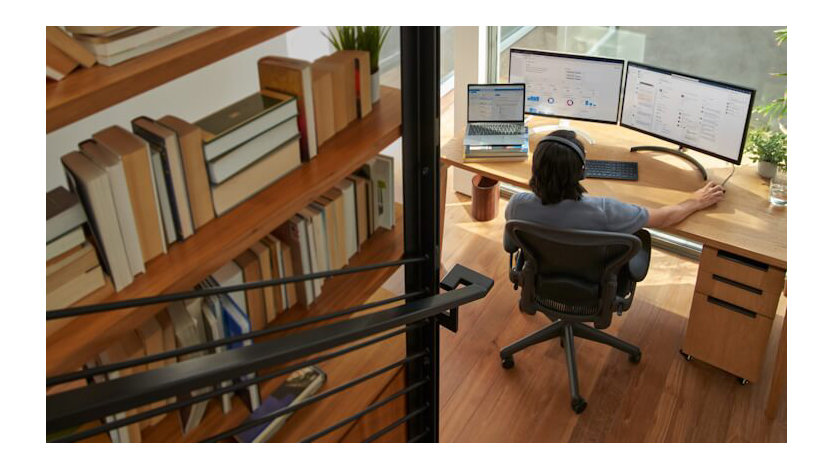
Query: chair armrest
(638,266)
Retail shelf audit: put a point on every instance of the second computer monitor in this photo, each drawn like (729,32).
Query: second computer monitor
(568,86)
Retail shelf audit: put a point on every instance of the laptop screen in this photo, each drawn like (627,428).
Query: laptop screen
(496,103)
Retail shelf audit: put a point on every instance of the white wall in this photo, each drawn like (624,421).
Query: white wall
(189,97)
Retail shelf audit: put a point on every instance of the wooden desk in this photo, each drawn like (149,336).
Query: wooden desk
(744,237)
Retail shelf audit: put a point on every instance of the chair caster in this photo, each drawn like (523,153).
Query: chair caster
(507,362)
(743,381)
(688,357)
(578,405)
(635,358)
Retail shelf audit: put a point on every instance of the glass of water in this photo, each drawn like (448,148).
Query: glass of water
(779,188)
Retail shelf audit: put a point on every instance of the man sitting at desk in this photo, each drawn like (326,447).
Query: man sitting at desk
(557,199)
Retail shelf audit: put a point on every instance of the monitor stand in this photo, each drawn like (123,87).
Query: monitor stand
(680,152)
(564,124)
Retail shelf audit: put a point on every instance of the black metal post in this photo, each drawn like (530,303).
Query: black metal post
(420,71)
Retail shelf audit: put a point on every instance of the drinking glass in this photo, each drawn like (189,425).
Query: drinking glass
(779,188)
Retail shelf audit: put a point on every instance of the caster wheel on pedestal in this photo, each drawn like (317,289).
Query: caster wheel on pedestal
(688,357)
(743,381)
(578,405)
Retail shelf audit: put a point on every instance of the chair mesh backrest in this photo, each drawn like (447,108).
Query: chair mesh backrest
(571,268)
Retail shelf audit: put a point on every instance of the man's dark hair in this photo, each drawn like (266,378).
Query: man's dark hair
(557,170)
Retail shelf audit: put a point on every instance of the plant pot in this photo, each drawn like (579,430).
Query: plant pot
(767,169)
(375,86)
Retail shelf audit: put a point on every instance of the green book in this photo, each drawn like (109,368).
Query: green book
(244,120)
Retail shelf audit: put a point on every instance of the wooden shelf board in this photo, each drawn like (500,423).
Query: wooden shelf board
(337,293)
(216,243)
(87,91)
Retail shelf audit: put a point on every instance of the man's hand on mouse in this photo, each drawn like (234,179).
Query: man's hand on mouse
(710,194)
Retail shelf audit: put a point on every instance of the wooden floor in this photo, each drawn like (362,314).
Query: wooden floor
(662,399)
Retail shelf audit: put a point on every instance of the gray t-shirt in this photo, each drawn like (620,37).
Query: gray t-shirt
(589,213)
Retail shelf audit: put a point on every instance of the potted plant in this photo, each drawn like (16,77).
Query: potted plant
(769,148)
(362,38)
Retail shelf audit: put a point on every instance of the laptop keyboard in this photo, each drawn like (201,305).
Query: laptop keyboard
(496,128)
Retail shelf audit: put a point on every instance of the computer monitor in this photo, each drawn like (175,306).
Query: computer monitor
(567,85)
(696,113)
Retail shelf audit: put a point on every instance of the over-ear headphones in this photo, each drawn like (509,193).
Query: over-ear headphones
(555,138)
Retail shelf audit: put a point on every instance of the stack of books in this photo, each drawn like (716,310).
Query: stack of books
(332,92)
(111,45)
(250,144)
(72,267)
(495,153)
(64,54)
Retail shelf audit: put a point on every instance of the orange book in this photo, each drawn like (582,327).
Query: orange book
(58,64)
(255,302)
(293,77)
(323,101)
(344,99)
(69,46)
(362,79)
(261,250)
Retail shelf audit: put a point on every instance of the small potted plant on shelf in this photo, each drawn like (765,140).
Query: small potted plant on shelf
(362,38)
(769,148)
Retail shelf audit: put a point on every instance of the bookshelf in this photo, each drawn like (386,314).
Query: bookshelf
(338,292)
(87,91)
(219,241)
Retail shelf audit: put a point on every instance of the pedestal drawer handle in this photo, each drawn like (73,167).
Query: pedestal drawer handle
(743,260)
(737,284)
(731,307)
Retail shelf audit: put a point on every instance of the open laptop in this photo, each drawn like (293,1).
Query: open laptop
(495,115)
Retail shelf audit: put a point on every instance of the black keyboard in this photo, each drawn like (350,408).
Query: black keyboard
(496,128)
(611,170)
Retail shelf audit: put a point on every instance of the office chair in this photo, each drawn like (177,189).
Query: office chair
(574,277)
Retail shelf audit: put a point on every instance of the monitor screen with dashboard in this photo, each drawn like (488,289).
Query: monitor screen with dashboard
(568,86)
(704,115)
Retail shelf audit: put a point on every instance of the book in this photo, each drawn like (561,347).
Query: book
(349,194)
(93,186)
(142,186)
(361,187)
(64,243)
(256,177)
(189,330)
(150,333)
(165,142)
(58,64)
(117,48)
(230,163)
(236,323)
(114,354)
(262,252)
(228,275)
(344,99)
(213,318)
(277,272)
(338,205)
(194,165)
(299,385)
(323,104)
(69,46)
(112,165)
(362,79)
(134,349)
(287,270)
(322,207)
(243,120)
(64,213)
(103,31)
(382,178)
(293,77)
(293,234)
(71,278)
(255,302)
(169,341)
(316,226)
(365,173)
(313,248)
